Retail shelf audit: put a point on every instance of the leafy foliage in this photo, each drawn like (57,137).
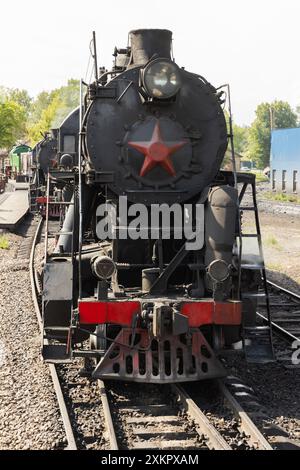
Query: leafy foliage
(240,134)
(38,105)
(12,123)
(4,243)
(14,110)
(21,97)
(46,118)
(49,109)
(22,117)
(240,138)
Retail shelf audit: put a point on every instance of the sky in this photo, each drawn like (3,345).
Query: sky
(251,44)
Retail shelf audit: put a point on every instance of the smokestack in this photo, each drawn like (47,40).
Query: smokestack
(147,42)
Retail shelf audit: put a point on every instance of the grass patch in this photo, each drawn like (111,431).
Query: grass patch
(274,267)
(4,243)
(260,177)
(282,197)
(270,240)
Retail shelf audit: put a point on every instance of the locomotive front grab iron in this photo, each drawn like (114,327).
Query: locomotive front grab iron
(145,279)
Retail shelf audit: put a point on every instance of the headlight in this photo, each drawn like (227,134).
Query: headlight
(103,267)
(218,270)
(161,78)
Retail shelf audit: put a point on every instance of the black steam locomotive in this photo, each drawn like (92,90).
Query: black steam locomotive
(57,150)
(146,277)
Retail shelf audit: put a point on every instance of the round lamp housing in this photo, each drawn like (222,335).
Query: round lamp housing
(161,79)
(218,270)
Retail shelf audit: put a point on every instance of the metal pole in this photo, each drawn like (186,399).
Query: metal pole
(80,190)
(236,186)
(231,137)
(271,118)
(95,56)
(47,217)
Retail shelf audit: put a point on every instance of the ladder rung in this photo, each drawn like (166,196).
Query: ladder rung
(248,235)
(57,328)
(248,208)
(61,203)
(54,234)
(252,266)
(257,329)
(253,294)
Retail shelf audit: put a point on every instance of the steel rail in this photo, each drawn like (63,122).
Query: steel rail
(255,436)
(107,416)
(277,328)
(285,291)
(57,387)
(32,275)
(215,440)
(203,425)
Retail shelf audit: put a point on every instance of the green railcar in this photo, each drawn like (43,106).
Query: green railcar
(15,156)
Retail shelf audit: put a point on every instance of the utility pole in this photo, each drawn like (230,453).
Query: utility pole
(271,117)
(271,126)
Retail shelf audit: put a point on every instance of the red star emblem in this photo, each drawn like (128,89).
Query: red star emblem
(157,152)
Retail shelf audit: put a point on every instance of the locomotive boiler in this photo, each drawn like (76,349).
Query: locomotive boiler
(144,282)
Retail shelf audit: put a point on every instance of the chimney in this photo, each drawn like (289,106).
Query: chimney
(145,43)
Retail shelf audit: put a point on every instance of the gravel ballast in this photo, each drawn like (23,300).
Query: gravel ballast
(29,415)
(277,390)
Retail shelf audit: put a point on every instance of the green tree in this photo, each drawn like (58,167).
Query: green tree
(240,135)
(21,97)
(47,117)
(18,96)
(12,123)
(38,105)
(280,115)
(240,138)
(48,110)
(69,97)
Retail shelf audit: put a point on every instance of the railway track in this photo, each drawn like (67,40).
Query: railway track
(285,308)
(167,417)
(285,312)
(54,375)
